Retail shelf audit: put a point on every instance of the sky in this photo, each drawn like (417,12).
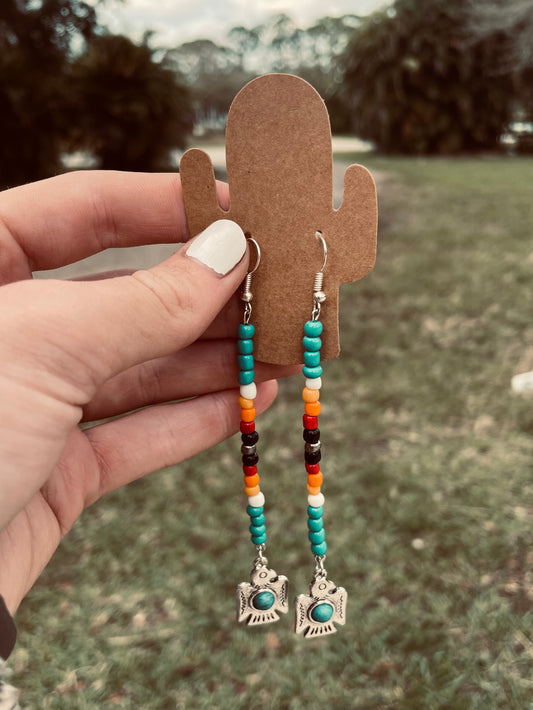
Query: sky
(178,21)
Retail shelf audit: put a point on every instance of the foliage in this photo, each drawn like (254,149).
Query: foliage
(418,82)
(35,44)
(65,85)
(216,72)
(429,498)
(132,110)
(512,21)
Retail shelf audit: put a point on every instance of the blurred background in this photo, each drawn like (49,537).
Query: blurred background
(427,450)
(126,85)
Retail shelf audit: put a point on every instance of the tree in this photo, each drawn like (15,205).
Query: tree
(35,44)
(512,22)
(133,110)
(416,81)
(215,72)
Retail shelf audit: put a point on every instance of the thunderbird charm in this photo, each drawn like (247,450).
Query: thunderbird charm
(259,600)
(319,611)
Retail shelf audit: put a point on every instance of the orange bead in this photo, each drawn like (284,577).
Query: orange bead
(251,481)
(246,403)
(315,479)
(253,491)
(313,490)
(312,408)
(247,415)
(309,395)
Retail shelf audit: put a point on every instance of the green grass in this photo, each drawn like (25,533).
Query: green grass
(428,464)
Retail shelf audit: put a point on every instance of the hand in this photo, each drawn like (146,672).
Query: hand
(75,351)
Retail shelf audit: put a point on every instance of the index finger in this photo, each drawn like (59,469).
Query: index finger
(66,218)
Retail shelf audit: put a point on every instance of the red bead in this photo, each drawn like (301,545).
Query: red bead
(247,427)
(312,467)
(310,422)
(249,470)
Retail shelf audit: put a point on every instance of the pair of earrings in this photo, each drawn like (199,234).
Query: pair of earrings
(259,600)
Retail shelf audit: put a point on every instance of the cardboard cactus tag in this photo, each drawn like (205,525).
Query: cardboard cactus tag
(280,174)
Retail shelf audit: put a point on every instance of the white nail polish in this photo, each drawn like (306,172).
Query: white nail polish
(220,247)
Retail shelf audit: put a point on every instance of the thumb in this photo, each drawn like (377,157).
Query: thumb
(99,328)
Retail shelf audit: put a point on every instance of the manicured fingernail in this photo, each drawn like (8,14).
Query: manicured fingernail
(220,247)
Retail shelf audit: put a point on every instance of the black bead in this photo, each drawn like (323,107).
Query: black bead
(250,439)
(311,436)
(313,457)
(250,459)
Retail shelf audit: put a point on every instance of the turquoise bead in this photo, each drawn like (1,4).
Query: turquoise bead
(315,524)
(258,530)
(245,347)
(246,331)
(246,362)
(312,344)
(322,612)
(246,377)
(257,520)
(315,512)
(311,359)
(263,601)
(313,328)
(312,372)
(319,549)
(254,511)
(317,537)
(260,539)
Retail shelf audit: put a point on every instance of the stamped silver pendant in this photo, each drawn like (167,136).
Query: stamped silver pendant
(317,613)
(260,599)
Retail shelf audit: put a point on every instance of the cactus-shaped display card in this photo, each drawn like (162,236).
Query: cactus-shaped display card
(279,165)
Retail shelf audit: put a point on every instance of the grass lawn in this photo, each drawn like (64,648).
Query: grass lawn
(427,457)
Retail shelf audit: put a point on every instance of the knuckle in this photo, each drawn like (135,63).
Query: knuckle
(176,300)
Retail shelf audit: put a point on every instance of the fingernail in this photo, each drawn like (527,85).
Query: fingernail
(220,247)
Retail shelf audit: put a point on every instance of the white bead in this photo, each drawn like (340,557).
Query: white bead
(313,384)
(249,391)
(316,501)
(258,500)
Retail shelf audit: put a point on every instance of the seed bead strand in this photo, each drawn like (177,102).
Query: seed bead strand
(311,434)
(249,436)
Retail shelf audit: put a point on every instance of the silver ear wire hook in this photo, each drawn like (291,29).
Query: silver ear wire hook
(318,235)
(246,294)
(318,294)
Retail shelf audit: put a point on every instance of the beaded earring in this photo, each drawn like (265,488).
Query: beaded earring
(266,593)
(316,612)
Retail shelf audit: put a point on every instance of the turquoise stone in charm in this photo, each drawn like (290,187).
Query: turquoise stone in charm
(322,612)
(263,601)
